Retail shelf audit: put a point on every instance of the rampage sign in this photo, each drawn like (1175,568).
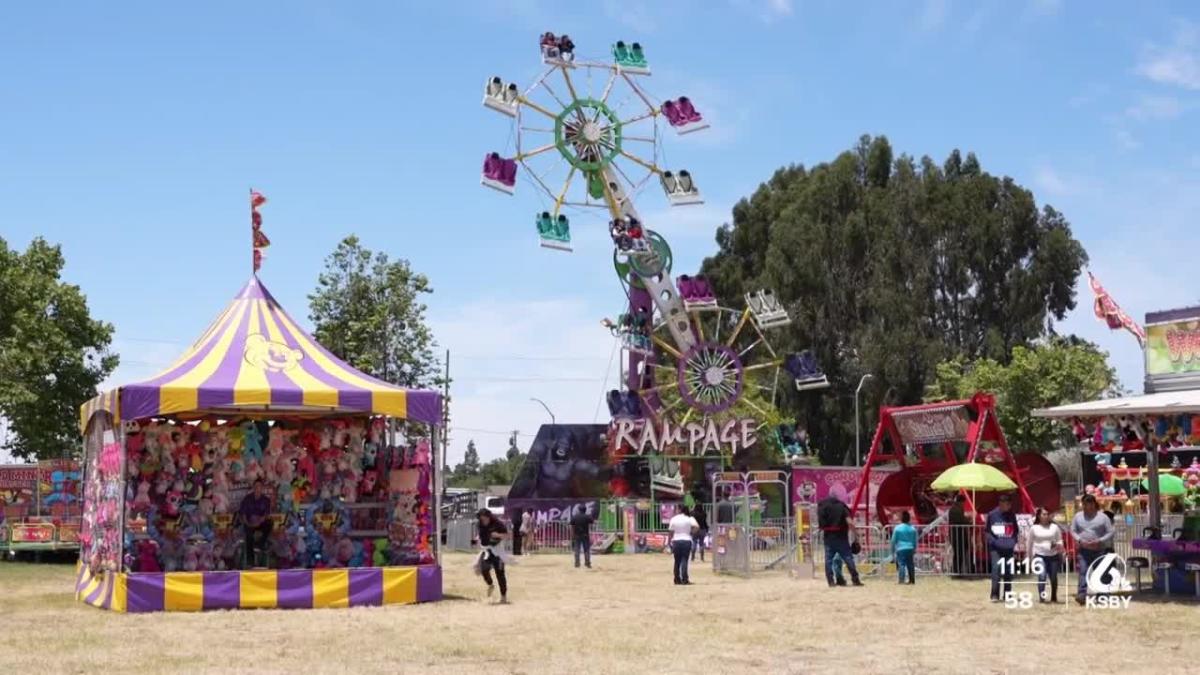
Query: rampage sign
(700,437)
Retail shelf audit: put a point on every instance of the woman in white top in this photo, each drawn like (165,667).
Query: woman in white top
(683,526)
(1046,548)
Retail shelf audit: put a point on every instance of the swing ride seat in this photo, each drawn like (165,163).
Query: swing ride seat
(682,116)
(503,100)
(554,233)
(696,293)
(630,59)
(766,310)
(499,173)
(805,372)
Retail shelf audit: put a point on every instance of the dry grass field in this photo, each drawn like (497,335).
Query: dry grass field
(625,616)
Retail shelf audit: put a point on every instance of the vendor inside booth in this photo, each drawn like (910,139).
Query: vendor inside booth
(259,471)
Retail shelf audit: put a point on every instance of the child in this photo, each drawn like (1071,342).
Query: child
(904,546)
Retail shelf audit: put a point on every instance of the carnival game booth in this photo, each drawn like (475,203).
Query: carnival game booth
(1147,448)
(347,462)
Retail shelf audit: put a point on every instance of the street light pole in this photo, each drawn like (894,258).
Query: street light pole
(857,444)
(538,400)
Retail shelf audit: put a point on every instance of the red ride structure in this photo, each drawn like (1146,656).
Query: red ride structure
(922,440)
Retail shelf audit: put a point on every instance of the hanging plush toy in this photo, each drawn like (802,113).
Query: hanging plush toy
(251,440)
(380,552)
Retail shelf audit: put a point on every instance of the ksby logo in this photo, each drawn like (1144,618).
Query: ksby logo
(1106,574)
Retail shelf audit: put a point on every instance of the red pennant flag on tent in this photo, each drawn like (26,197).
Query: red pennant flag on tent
(258,240)
(1108,311)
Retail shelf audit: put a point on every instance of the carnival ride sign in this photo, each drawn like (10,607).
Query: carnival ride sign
(935,425)
(701,438)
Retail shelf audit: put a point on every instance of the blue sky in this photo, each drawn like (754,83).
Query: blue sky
(131,134)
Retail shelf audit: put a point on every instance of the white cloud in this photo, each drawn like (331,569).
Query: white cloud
(1155,108)
(1176,64)
(780,7)
(1126,140)
(1049,180)
(933,15)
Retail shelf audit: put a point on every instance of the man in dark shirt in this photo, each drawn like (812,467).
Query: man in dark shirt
(833,517)
(581,535)
(1001,537)
(698,540)
(255,509)
(960,536)
(517,519)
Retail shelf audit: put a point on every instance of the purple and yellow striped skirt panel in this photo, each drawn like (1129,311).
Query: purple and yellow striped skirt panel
(267,589)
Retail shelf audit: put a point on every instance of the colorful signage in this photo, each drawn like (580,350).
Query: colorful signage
(1173,350)
(700,438)
(811,484)
(937,425)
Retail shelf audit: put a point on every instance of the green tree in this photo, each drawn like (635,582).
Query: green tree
(468,468)
(1053,372)
(890,266)
(367,309)
(52,353)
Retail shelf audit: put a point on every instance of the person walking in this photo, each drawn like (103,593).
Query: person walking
(1093,532)
(960,536)
(904,549)
(581,535)
(517,519)
(1001,536)
(698,541)
(1046,549)
(491,534)
(833,517)
(528,525)
(683,527)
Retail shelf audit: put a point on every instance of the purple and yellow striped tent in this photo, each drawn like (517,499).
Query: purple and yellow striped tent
(254,359)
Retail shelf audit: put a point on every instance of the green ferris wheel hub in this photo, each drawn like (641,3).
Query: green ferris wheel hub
(588,134)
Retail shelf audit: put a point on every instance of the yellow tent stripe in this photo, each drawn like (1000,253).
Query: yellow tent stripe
(182,393)
(315,391)
(251,386)
(326,364)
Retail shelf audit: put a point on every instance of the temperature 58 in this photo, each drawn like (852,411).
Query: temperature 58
(1015,567)
(1018,600)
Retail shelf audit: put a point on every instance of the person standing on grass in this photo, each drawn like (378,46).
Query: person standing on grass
(492,534)
(527,527)
(833,517)
(960,536)
(702,521)
(1093,533)
(683,528)
(581,535)
(1046,547)
(904,548)
(1001,535)
(518,517)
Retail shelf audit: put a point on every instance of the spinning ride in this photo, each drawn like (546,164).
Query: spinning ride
(589,137)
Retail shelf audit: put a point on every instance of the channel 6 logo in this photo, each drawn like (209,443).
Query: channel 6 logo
(1106,580)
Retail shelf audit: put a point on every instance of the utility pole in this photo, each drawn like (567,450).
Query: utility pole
(446,413)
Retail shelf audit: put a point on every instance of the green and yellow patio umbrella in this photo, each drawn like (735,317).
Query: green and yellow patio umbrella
(974,477)
(1169,485)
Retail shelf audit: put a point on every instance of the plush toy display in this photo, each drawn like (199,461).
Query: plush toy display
(184,483)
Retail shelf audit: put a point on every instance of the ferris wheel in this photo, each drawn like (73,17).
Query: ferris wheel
(589,139)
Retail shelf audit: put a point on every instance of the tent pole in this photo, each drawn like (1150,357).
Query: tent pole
(436,478)
(1152,481)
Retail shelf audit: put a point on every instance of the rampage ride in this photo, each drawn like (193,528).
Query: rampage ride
(699,375)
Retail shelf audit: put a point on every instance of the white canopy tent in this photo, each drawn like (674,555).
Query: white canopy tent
(1163,403)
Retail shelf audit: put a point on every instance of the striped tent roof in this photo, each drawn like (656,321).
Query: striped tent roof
(255,359)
